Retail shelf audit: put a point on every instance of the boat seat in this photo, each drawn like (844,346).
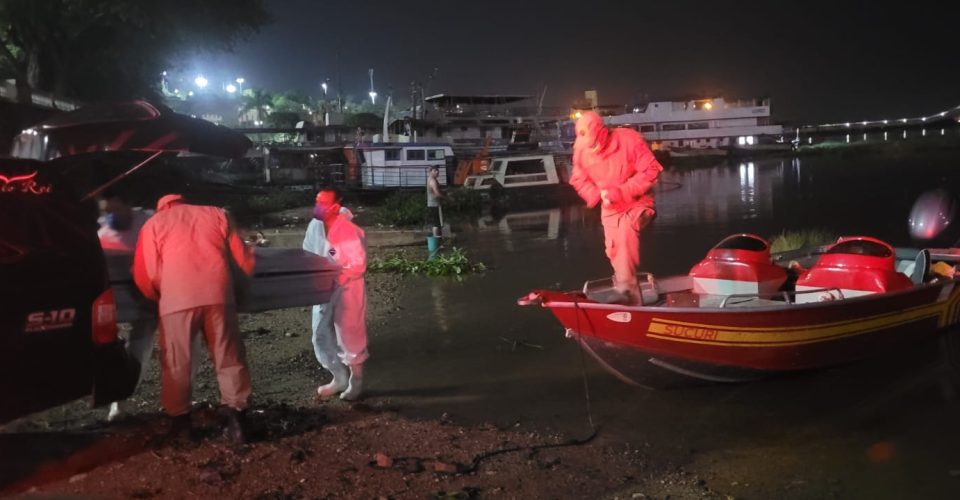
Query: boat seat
(922,267)
(603,291)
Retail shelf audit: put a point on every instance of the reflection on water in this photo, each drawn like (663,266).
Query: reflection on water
(697,208)
(440,312)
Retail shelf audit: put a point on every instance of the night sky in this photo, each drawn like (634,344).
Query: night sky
(818,60)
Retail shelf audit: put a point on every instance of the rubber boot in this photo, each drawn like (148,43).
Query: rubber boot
(233,426)
(114,412)
(354,385)
(180,431)
(338,384)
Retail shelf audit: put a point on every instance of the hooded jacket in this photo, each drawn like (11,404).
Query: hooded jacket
(624,163)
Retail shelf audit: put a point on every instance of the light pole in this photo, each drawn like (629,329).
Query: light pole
(240,81)
(325,116)
(373,93)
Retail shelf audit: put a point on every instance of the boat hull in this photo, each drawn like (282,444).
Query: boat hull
(738,344)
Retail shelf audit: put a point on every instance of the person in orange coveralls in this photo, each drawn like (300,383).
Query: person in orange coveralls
(616,169)
(186,259)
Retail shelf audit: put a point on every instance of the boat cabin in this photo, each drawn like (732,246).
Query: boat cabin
(519,172)
(387,165)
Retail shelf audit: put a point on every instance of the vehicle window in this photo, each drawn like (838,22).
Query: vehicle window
(44,223)
(497,166)
(391,155)
(105,113)
(672,126)
(416,154)
(648,128)
(520,167)
(435,154)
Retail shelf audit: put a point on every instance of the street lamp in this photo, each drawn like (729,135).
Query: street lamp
(231,88)
(240,81)
(324,87)
(373,93)
(200,81)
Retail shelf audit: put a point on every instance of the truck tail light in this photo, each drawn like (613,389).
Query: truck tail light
(105,318)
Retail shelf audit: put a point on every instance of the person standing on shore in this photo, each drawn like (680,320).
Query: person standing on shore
(119,228)
(340,327)
(434,195)
(186,259)
(615,168)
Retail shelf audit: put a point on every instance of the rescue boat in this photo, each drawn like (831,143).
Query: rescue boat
(743,313)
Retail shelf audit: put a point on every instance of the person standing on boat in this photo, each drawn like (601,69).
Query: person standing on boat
(615,168)
(340,327)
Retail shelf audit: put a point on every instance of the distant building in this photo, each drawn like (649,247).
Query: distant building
(702,123)
(467,122)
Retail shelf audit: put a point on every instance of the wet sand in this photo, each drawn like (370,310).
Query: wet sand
(431,408)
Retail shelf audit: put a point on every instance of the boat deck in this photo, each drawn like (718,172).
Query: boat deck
(673,292)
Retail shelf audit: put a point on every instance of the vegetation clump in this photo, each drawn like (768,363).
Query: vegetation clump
(795,240)
(408,208)
(402,208)
(451,263)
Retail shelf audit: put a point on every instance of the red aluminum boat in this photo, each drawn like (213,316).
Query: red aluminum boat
(743,313)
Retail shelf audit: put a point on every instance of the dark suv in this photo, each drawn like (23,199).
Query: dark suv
(58,329)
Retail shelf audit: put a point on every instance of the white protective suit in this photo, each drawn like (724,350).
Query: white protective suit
(339,327)
(140,341)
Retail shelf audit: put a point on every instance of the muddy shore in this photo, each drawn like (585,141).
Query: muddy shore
(305,448)
(459,373)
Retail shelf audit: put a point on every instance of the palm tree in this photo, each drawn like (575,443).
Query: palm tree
(258,100)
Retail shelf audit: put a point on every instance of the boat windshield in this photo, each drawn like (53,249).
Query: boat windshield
(743,242)
(861,247)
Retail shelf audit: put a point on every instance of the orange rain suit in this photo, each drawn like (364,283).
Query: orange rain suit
(186,258)
(616,167)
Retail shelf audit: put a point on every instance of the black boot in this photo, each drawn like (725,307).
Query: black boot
(181,429)
(233,426)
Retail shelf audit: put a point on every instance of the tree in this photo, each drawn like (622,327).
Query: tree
(363,120)
(96,49)
(283,119)
(258,100)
